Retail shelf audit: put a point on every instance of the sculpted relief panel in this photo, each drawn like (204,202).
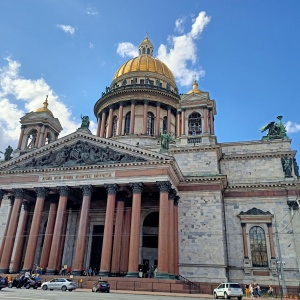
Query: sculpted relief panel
(79,154)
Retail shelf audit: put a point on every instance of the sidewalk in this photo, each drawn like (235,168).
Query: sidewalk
(153,293)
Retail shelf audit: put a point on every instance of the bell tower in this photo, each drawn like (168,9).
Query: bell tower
(38,129)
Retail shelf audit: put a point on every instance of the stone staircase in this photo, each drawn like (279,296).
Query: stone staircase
(129,284)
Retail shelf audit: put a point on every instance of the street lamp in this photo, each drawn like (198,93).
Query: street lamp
(280,262)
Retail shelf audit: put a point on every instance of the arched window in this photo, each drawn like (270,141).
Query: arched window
(165,124)
(114,126)
(148,51)
(144,50)
(48,138)
(32,135)
(127,123)
(258,247)
(150,123)
(194,124)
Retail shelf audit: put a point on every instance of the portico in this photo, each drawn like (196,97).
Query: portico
(83,194)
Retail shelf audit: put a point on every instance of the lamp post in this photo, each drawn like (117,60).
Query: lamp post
(279,261)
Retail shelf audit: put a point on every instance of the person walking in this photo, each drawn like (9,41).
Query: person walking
(270,292)
(247,290)
(251,290)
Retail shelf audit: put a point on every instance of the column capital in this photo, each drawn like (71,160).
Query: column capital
(133,102)
(163,186)
(63,190)
(183,109)
(146,102)
(157,104)
(172,194)
(19,193)
(23,126)
(87,190)
(269,224)
(41,192)
(176,200)
(243,224)
(121,103)
(111,188)
(137,187)
(26,206)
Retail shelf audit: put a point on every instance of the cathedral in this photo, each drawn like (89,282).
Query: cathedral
(153,187)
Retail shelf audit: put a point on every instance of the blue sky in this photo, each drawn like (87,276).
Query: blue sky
(244,53)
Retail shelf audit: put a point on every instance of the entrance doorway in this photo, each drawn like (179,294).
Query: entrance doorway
(96,251)
(150,240)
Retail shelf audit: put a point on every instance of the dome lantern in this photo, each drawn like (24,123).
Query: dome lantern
(146,47)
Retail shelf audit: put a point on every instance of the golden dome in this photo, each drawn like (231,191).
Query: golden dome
(195,89)
(145,62)
(44,108)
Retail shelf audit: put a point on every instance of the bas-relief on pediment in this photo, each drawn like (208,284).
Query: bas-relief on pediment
(80,153)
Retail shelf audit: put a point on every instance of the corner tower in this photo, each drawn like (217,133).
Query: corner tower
(38,129)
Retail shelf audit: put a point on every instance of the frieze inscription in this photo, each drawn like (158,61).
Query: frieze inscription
(72,177)
(81,153)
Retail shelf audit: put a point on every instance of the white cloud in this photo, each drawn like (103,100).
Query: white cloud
(184,51)
(17,92)
(67,28)
(181,57)
(127,49)
(91,11)
(179,25)
(292,127)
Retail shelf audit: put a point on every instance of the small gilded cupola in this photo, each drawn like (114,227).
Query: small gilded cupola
(146,47)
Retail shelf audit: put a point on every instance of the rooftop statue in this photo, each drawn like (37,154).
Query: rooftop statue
(165,141)
(7,153)
(276,130)
(85,122)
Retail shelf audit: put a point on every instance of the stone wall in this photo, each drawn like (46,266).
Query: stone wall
(202,253)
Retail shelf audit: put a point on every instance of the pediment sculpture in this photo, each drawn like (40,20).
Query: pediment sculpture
(79,154)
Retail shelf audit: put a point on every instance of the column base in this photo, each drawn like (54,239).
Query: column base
(132,274)
(76,272)
(4,271)
(50,272)
(25,270)
(103,273)
(160,275)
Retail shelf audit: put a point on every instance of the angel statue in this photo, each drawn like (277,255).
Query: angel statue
(275,130)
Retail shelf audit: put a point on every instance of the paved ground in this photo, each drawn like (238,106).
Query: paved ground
(23,294)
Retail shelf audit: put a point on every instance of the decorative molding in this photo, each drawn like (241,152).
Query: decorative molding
(137,187)
(87,190)
(163,186)
(254,212)
(111,188)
